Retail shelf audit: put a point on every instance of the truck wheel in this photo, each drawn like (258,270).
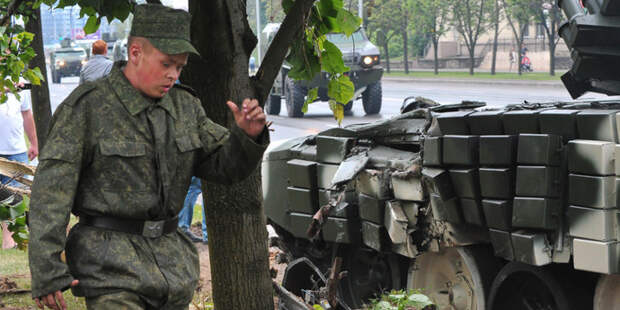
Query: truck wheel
(295,97)
(368,274)
(371,98)
(607,293)
(520,286)
(272,106)
(455,278)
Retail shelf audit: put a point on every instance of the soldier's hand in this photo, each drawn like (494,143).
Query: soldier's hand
(250,118)
(54,300)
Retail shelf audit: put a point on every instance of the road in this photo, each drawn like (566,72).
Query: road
(319,116)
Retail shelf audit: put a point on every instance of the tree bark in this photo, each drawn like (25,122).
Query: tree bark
(472,59)
(387,57)
(234,214)
(495,36)
(235,217)
(436,55)
(41,107)
(406,56)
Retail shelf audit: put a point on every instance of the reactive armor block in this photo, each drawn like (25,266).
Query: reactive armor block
(371,209)
(299,224)
(374,183)
(333,149)
(531,248)
(486,123)
(534,212)
(302,200)
(498,150)
(538,181)
(325,174)
(432,151)
(498,214)
(539,149)
(374,236)
(497,183)
(438,181)
(407,186)
(588,223)
(396,222)
(597,125)
(472,211)
(446,210)
(302,173)
(591,157)
(341,230)
(460,150)
(559,122)
(465,182)
(590,191)
(454,123)
(502,244)
(596,256)
(521,121)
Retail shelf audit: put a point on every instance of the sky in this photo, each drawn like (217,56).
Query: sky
(177,4)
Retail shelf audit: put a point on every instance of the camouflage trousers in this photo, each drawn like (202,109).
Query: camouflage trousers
(124,301)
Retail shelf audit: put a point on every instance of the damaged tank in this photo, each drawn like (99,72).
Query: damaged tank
(500,209)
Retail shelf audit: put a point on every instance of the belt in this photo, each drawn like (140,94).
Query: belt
(149,229)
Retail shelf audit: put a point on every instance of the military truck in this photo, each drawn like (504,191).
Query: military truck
(359,54)
(481,209)
(67,61)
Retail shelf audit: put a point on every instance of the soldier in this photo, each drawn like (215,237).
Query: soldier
(120,155)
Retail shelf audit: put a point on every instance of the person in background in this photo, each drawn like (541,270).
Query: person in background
(187,213)
(15,119)
(99,65)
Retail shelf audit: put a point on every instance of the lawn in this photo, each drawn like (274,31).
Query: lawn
(14,266)
(537,76)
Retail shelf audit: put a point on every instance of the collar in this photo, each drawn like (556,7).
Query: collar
(133,100)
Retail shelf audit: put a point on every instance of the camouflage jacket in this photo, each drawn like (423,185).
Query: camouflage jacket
(111,151)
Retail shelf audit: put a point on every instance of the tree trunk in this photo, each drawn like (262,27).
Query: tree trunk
(551,58)
(234,214)
(472,55)
(41,107)
(436,55)
(406,56)
(495,36)
(387,57)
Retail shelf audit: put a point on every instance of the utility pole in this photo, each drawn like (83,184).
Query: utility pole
(258,32)
(360,10)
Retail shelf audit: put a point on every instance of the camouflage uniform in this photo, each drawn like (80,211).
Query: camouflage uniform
(113,152)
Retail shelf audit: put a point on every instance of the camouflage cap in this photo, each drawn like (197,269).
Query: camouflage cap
(166,28)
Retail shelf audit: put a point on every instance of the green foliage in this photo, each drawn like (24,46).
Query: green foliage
(95,10)
(402,300)
(15,54)
(313,53)
(15,217)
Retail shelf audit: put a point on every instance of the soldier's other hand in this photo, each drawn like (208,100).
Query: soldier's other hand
(250,118)
(54,300)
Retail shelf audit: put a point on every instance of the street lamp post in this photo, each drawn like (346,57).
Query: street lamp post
(258,54)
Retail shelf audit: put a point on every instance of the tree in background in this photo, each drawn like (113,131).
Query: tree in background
(550,17)
(431,18)
(520,13)
(471,18)
(386,22)
(496,19)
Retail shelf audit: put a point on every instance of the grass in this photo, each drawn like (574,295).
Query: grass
(536,76)
(14,265)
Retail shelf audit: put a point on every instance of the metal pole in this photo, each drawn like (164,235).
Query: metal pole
(360,10)
(258,32)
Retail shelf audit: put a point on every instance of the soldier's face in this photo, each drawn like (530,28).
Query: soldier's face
(157,71)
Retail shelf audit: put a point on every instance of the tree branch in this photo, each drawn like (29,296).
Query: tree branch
(290,29)
(10,11)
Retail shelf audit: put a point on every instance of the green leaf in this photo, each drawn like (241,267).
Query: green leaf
(287,5)
(330,7)
(338,110)
(317,307)
(313,94)
(92,24)
(331,59)
(419,301)
(18,210)
(384,305)
(5,214)
(341,89)
(349,23)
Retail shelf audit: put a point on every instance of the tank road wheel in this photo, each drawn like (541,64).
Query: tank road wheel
(455,278)
(272,106)
(607,295)
(371,98)
(520,286)
(369,273)
(295,97)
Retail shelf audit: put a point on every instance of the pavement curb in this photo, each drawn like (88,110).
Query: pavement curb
(555,84)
